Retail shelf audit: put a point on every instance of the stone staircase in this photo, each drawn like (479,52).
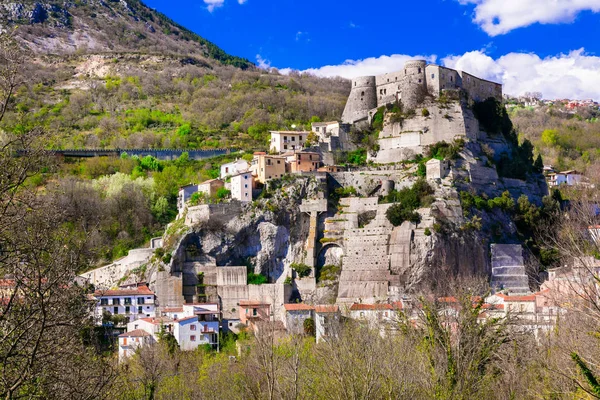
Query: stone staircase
(508,269)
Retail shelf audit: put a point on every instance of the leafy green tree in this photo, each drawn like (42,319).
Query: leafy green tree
(309,327)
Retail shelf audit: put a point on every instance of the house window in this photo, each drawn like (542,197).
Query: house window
(127,310)
(362,314)
(285,146)
(103,302)
(116,302)
(246,194)
(245,186)
(116,309)
(226,170)
(254,312)
(127,300)
(278,162)
(293,138)
(124,341)
(192,327)
(140,300)
(193,338)
(245,176)
(285,138)
(140,310)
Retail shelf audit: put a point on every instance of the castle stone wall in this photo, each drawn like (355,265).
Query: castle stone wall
(362,98)
(411,85)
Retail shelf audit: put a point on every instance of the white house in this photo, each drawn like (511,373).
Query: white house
(129,342)
(133,303)
(234,168)
(241,186)
(191,325)
(185,192)
(569,178)
(326,129)
(282,141)
(327,320)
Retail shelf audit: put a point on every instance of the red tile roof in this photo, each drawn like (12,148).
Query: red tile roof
(380,306)
(157,320)
(297,307)
(173,309)
(135,333)
(530,297)
(327,308)
(140,290)
(187,318)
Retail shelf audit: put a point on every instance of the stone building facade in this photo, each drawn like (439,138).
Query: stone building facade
(411,85)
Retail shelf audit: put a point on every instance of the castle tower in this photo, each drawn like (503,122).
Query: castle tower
(363,97)
(414,85)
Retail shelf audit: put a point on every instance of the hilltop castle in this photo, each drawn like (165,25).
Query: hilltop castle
(410,85)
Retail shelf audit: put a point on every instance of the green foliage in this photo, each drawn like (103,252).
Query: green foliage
(377,120)
(328,272)
(427,232)
(302,270)
(309,327)
(168,339)
(257,279)
(357,157)
(149,163)
(520,164)
(587,374)
(550,137)
(425,112)
(196,198)
(397,214)
(223,193)
(288,280)
(445,151)
(422,169)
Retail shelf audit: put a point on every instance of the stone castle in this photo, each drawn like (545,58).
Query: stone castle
(411,85)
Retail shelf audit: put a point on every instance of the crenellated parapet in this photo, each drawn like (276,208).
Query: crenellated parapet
(410,85)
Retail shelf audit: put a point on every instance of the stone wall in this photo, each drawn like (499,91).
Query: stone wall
(221,213)
(362,98)
(109,276)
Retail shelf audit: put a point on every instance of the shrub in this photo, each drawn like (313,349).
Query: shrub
(398,213)
(309,327)
(427,232)
(256,279)
(288,280)
(301,269)
(425,112)
(223,193)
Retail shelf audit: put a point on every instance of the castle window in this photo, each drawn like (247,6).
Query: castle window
(432,76)
(451,78)
(384,91)
(419,81)
(362,93)
(388,79)
(404,72)
(419,70)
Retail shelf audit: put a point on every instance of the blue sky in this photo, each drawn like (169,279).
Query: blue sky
(504,40)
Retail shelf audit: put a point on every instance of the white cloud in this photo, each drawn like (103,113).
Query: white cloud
(262,63)
(212,4)
(497,17)
(242,1)
(368,66)
(575,75)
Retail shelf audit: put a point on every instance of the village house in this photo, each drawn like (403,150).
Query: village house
(327,321)
(133,303)
(241,186)
(252,312)
(185,193)
(375,315)
(295,315)
(326,129)
(234,168)
(210,187)
(191,325)
(282,141)
(129,342)
(302,161)
(269,167)
(568,178)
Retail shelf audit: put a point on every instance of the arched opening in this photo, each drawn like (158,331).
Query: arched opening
(329,262)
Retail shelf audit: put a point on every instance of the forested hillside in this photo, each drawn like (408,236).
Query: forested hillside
(565,140)
(118,74)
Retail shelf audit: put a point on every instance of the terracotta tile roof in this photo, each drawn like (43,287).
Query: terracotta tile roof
(292,132)
(173,309)
(361,307)
(140,290)
(529,297)
(156,320)
(327,308)
(297,307)
(488,306)
(135,333)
